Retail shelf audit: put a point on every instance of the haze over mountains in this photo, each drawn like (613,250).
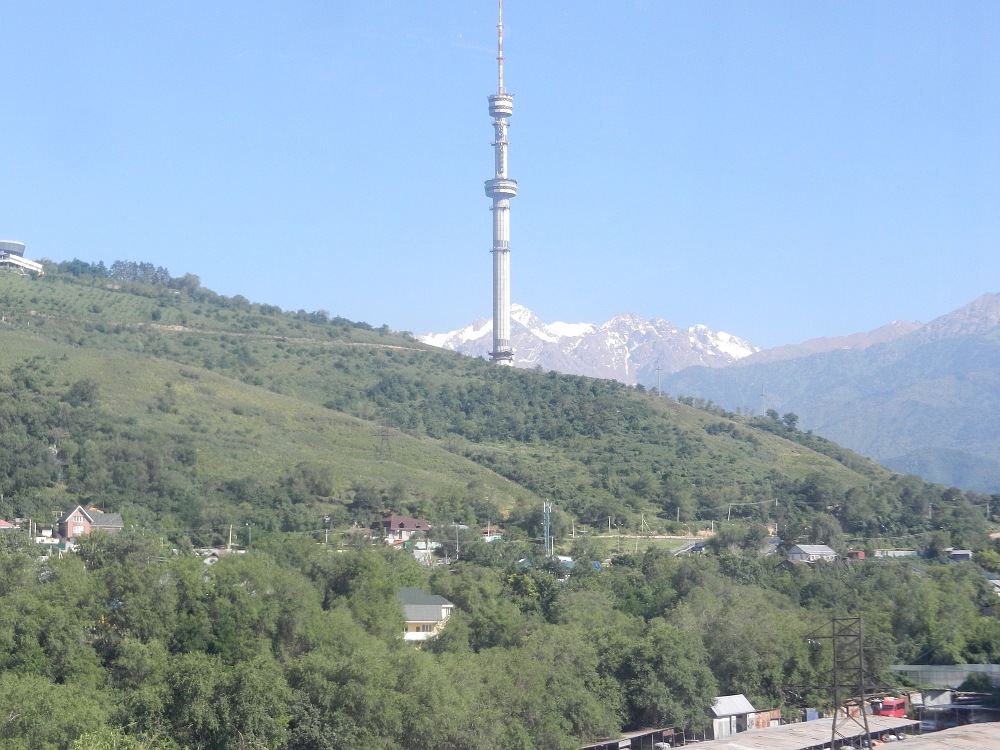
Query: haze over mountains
(920,399)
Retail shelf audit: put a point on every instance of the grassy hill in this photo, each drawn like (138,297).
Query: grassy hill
(278,414)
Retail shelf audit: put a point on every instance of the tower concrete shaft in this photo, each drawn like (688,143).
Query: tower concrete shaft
(501,189)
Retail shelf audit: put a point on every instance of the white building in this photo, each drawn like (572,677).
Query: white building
(425,614)
(12,256)
(811,553)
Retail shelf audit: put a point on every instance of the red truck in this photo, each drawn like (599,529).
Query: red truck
(891,707)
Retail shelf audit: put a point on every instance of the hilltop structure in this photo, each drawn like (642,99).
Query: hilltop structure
(501,189)
(12,256)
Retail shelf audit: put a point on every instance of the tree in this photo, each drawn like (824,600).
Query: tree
(40,715)
(82,392)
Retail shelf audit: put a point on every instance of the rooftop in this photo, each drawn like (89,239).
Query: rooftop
(732,705)
(814,549)
(970,737)
(403,522)
(803,736)
(411,595)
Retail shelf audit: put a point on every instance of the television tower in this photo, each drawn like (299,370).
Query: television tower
(501,189)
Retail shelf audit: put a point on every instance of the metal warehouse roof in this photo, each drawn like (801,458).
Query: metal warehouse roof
(802,736)
(969,737)
(815,549)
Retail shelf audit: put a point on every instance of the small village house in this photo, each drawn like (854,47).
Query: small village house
(425,614)
(400,528)
(81,521)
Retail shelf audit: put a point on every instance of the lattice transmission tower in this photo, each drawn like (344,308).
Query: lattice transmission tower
(847,681)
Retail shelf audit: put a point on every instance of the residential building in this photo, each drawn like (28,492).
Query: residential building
(811,553)
(7,526)
(401,528)
(895,553)
(425,614)
(81,521)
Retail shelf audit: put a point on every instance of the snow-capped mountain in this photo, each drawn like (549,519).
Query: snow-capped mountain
(626,348)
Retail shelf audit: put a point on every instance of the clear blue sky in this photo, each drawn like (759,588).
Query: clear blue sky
(778,170)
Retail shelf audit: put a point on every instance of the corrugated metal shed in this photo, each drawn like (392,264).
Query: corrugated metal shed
(732,705)
(809,734)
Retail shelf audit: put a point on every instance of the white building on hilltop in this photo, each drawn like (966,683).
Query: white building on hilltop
(12,256)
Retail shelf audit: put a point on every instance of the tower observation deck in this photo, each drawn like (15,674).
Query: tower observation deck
(501,189)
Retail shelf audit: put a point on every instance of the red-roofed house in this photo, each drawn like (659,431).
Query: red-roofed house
(79,522)
(400,528)
(5,525)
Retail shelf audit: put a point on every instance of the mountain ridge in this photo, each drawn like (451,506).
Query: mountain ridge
(626,348)
(925,402)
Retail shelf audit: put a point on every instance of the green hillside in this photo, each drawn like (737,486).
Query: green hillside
(269,400)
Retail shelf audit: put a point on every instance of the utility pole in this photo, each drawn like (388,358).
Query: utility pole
(547,527)
(658,391)
(249,534)
(229,547)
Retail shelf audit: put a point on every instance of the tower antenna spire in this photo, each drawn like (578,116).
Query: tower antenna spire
(500,47)
(501,189)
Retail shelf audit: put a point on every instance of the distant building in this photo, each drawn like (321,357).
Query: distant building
(400,528)
(7,526)
(81,521)
(811,553)
(856,554)
(425,614)
(12,256)
(895,553)
(961,555)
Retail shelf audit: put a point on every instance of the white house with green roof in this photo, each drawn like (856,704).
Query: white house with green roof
(425,614)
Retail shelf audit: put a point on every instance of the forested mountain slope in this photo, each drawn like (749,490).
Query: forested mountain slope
(924,403)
